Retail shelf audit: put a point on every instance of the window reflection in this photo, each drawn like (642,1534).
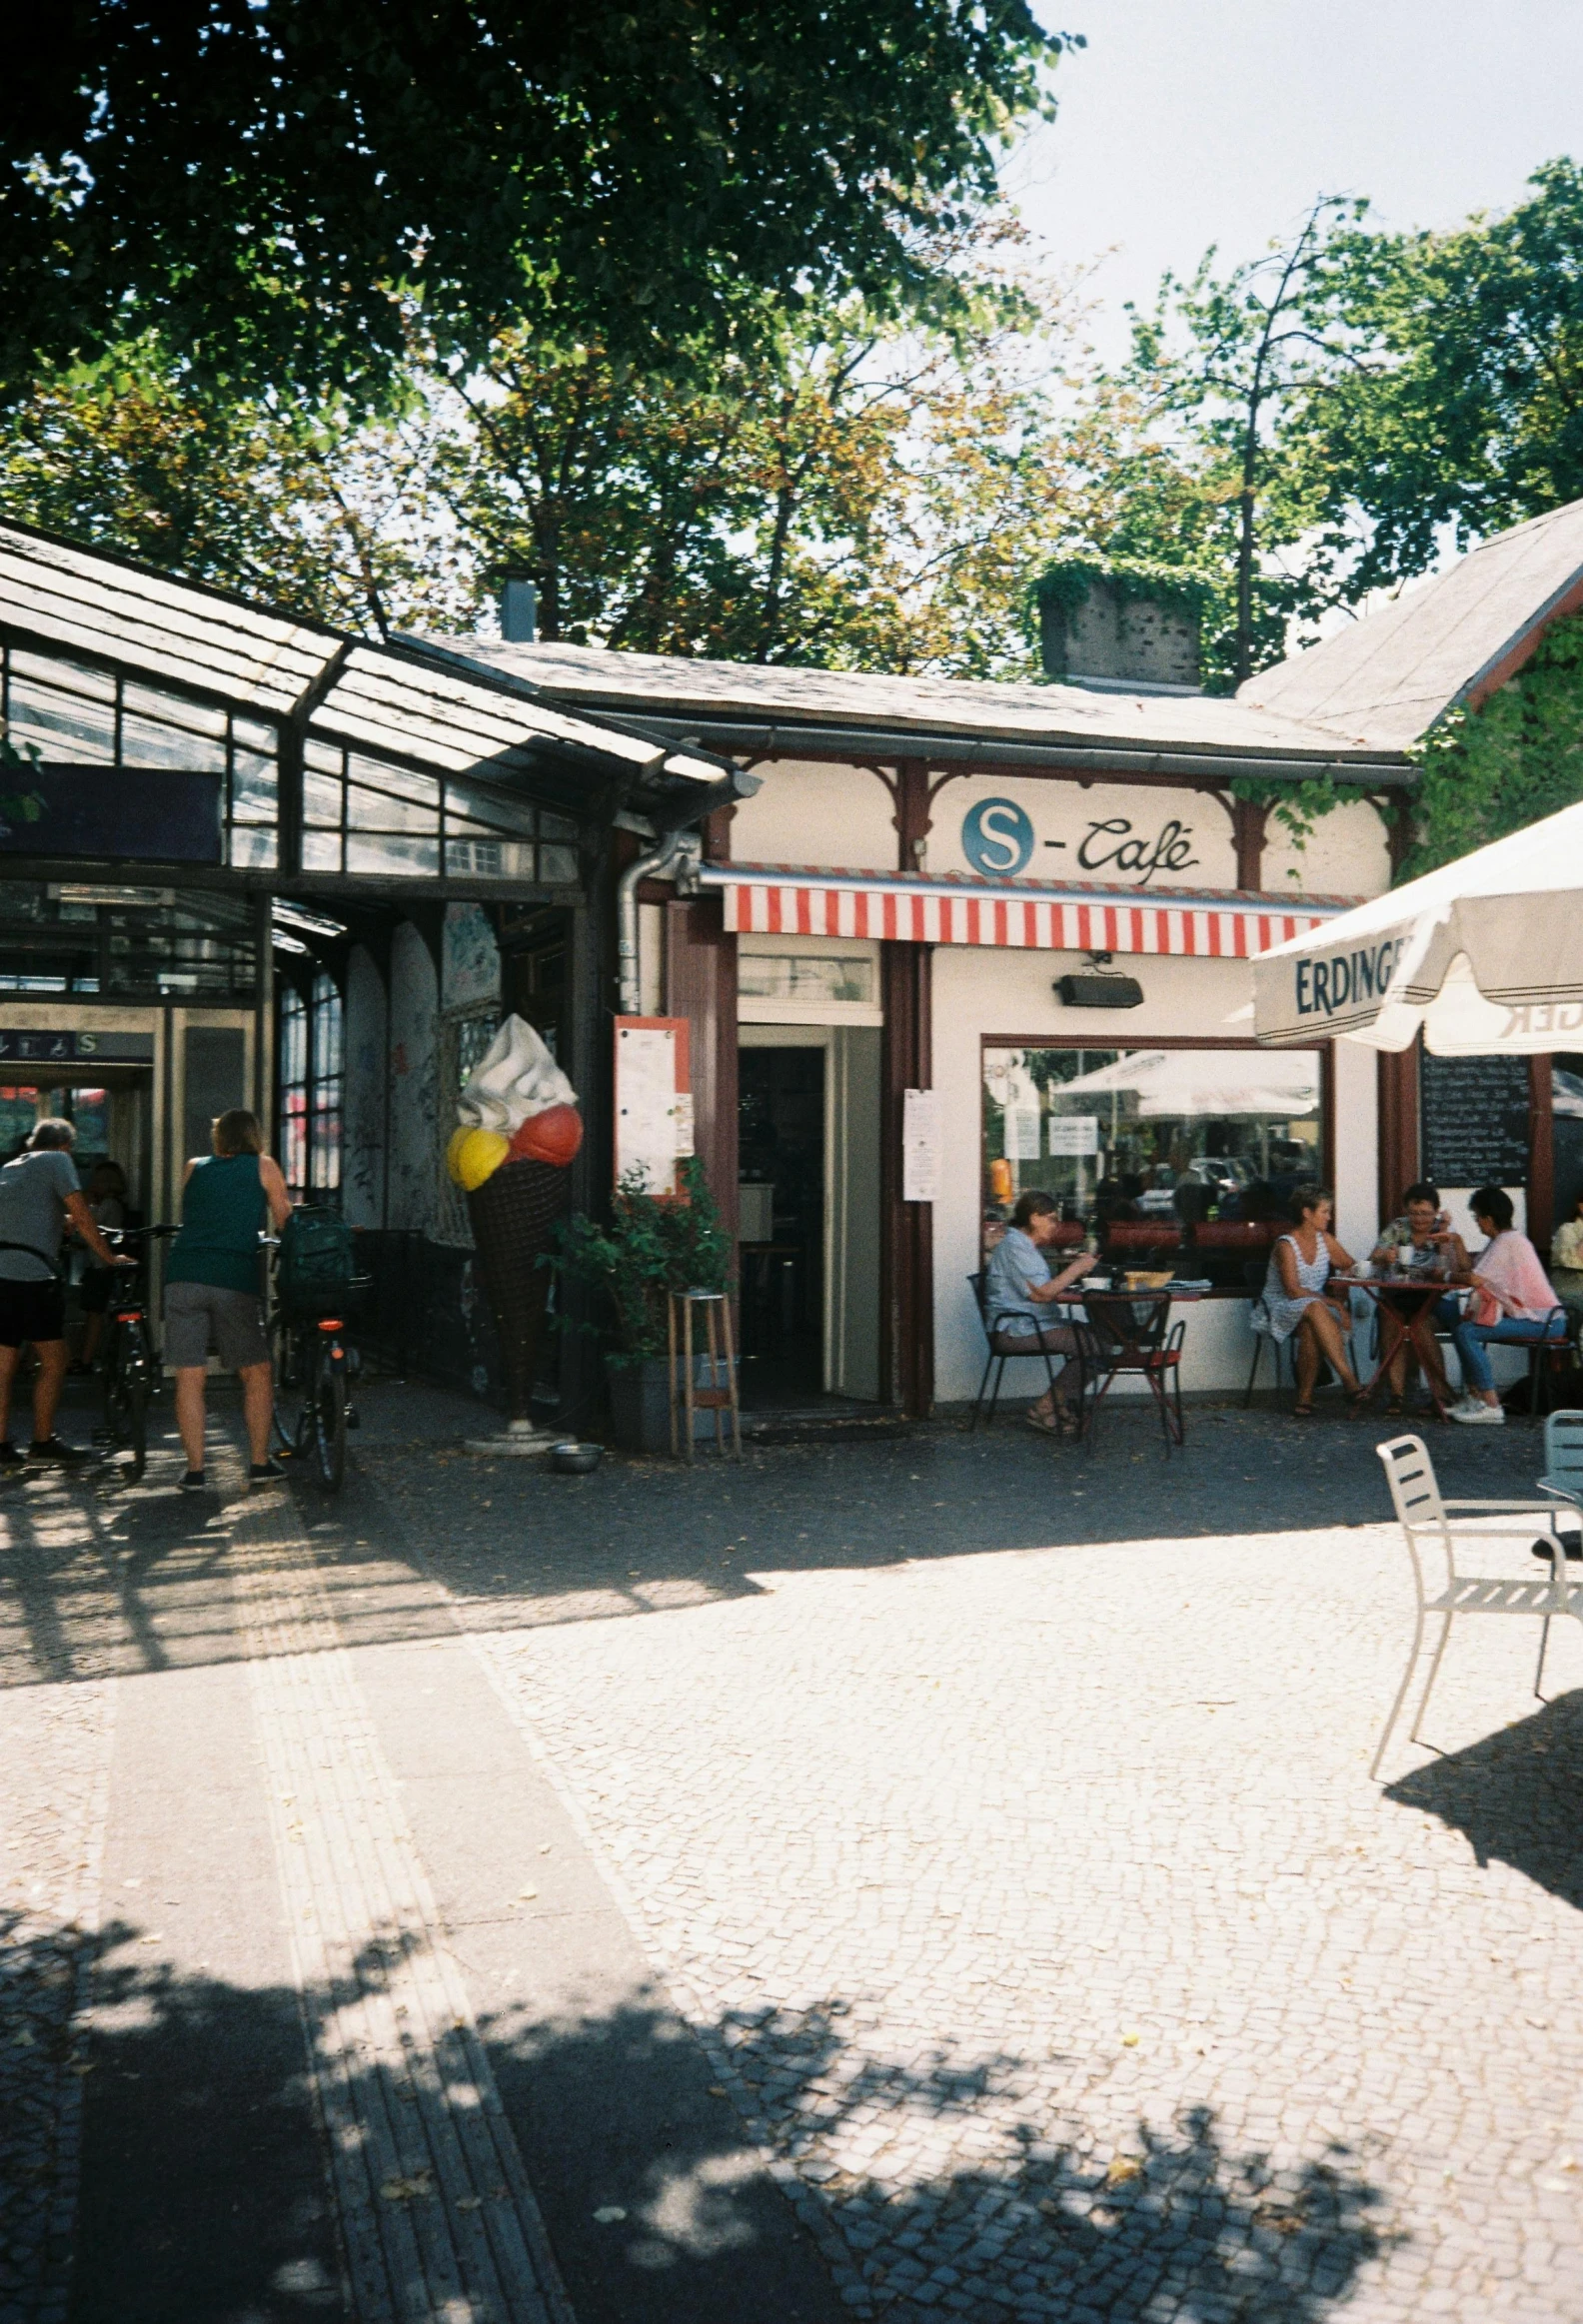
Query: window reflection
(1192,1154)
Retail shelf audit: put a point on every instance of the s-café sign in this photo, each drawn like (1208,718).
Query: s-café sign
(998,839)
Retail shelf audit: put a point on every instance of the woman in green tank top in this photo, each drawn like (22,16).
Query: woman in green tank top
(212,1283)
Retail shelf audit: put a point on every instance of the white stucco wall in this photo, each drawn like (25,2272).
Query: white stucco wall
(839,816)
(415,1080)
(367,1078)
(978,992)
(1347,855)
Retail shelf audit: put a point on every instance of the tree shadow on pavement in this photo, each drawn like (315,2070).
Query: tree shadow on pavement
(1514,1794)
(205,2192)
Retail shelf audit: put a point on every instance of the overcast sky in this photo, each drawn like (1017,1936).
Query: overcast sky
(1187,122)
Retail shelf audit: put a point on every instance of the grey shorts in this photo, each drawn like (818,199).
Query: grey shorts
(199,1316)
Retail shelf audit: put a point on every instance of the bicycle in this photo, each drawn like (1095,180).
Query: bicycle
(131,1370)
(316,1355)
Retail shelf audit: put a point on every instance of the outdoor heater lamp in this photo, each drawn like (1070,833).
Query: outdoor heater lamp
(1098,989)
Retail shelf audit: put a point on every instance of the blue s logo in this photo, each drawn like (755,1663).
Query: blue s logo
(998,838)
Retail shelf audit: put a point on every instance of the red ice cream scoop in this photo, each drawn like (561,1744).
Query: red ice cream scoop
(552,1136)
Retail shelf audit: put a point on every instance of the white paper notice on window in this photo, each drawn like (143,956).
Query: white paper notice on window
(1022,1133)
(1074,1134)
(920,1145)
(647,1129)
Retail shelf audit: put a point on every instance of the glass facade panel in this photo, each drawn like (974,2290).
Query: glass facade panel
(1178,1158)
(378,851)
(66,713)
(321,850)
(379,775)
(488,859)
(558,863)
(322,800)
(804,976)
(254,786)
(327,1063)
(160,729)
(372,810)
(495,811)
(324,758)
(294,1091)
(253,848)
(558,828)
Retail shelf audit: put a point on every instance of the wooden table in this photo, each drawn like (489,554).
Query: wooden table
(1403,1304)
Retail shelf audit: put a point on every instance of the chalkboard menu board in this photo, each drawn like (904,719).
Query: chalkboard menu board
(1475,1120)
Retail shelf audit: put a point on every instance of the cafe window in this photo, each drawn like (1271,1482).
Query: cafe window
(369,815)
(1191,1153)
(312,1089)
(69,714)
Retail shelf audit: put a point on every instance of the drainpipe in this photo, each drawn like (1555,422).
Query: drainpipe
(681,849)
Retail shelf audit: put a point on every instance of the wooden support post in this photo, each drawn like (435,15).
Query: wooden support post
(906,1250)
(1398,1126)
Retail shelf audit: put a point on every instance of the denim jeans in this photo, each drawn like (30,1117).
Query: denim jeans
(1521,1331)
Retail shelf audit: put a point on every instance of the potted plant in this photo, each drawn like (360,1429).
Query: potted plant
(654,1245)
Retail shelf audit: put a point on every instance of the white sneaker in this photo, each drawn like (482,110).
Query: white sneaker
(1474,1415)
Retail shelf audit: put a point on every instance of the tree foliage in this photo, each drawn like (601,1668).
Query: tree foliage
(1514,761)
(272,188)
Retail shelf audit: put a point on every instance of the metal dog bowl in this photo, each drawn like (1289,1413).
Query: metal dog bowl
(575,1460)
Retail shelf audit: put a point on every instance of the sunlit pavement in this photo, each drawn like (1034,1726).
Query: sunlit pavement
(995,1822)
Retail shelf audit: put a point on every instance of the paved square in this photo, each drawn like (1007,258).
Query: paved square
(1055,1937)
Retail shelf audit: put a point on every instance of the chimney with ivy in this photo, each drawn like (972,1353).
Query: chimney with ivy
(1121,626)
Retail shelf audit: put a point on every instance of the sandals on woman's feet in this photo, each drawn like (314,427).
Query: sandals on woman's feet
(1393,1409)
(1302,1411)
(1042,1420)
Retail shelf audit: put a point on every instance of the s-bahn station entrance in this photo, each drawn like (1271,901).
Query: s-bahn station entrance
(245,861)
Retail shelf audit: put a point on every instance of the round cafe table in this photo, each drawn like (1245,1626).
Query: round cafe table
(1406,1306)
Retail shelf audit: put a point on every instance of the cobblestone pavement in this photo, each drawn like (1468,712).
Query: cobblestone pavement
(1000,1821)
(1044,1920)
(54,1762)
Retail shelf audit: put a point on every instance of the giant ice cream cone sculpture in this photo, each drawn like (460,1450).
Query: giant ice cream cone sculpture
(518,1130)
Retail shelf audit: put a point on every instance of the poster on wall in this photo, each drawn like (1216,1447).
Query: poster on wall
(920,1144)
(653,1104)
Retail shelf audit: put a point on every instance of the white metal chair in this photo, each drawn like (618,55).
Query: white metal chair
(1563,1442)
(1432,1529)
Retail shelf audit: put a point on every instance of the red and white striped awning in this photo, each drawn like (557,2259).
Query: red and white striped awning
(773,899)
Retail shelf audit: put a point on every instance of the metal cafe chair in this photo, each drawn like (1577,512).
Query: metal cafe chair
(1255,1272)
(1006,1347)
(1132,1332)
(1432,1529)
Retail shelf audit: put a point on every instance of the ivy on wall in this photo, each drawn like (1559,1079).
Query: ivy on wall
(1518,759)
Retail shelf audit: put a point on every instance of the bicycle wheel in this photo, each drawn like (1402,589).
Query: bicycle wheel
(126,1396)
(285,1440)
(326,1414)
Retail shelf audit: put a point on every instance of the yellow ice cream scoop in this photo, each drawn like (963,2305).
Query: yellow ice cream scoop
(474,1155)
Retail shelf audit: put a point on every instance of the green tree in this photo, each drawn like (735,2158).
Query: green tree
(1467,413)
(320,513)
(1222,370)
(274,187)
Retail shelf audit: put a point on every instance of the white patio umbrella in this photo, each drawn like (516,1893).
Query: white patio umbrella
(1175,1082)
(1486,954)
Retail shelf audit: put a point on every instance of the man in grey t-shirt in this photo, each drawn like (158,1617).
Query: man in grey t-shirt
(39,1195)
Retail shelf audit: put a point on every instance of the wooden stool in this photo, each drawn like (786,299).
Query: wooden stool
(686,1395)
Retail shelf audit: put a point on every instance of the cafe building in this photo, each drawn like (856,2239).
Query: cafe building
(967,940)
(246,860)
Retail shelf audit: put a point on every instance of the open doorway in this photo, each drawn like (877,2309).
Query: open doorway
(782,1224)
(809,1208)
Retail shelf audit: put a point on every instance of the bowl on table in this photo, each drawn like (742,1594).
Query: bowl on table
(575,1460)
(1148,1279)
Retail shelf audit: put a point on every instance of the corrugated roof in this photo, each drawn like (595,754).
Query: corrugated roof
(441,711)
(719,693)
(1385,680)
(81,602)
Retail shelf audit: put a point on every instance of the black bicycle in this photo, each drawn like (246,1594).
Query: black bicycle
(316,1358)
(131,1369)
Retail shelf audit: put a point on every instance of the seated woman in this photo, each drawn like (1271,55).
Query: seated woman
(1514,1303)
(1419,1242)
(1296,1298)
(1018,1286)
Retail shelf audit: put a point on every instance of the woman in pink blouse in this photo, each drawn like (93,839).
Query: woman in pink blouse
(1513,1301)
